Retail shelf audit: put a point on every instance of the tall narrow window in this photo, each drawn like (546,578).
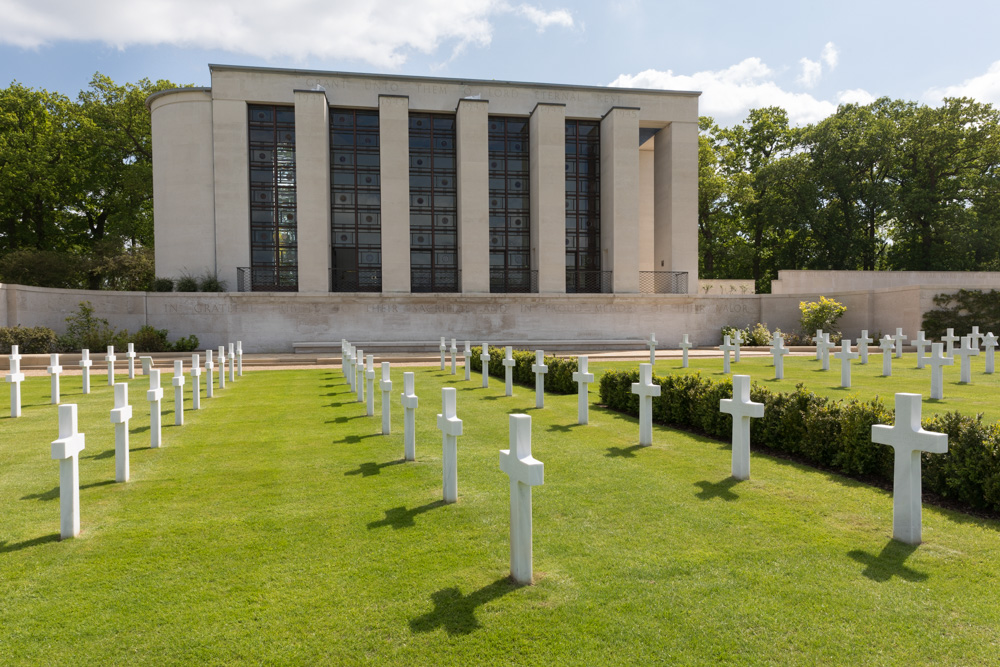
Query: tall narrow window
(433,207)
(356,201)
(510,235)
(273,247)
(583,206)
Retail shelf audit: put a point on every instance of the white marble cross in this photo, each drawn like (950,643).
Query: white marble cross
(120,416)
(907,439)
(920,343)
(737,341)
(816,339)
(147,364)
(863,346)
(130,355)
(359,375)
(976,336)
(370,377)
(651,342)
(409,400)
(582,379)
(385,384)
(937,360)
(539,369)
(726,348)
(646,390)
(454,351)
(887,345)
(209,365)
(54,369)
(685,345)
(345,366)
(845,355)
(508,371)
(466,353)
(742,409)
(222,367)
(154,396)
(949,339)
(443,350)
(66,449)
(232,363)
(966,351)
(524,472)
(823,347)
(989,342)
(195,381)
(451,427)
(85,364)
(484,357)
(239,358)
(778,351)
(178,382)
(15,377)
(111,359)
(898,339)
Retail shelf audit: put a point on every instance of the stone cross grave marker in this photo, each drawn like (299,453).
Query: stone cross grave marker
(209,365)
(222,367)
(370,377)
(539,369)
(863,347)
(816,339)
(147,364)
(989,343)
(15,377)
(409,400)
(444,349)
(742,409)
(111,359)
(345,365)
(178,382)
(508,371)
(737,341)
(351,363)
(130,355)
(898,339)
(582,379)
(976,336)
(195,381)
(726,348)
(966,351)
(949,339)
(887,346)
(232,363)
(66,449)
(646,390)
(824,346)
(845,355)
(651,342)
(454,352)
(155,397)
(54,369)
(120,416)
(466,353)
(524,472)
(85,364)
(359,374)
(938,361)
(920,343)
(685,345)
(907,439)
(385,384)
(239,358)
(484,357)
(451,427)
(778,351)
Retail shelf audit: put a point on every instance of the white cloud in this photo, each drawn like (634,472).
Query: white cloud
(811,72)
(379,32)
(830,55)
(855,96)
(983,88)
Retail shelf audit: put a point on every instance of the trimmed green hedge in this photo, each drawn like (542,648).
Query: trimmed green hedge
(30,340)
(559,379)
(833,434)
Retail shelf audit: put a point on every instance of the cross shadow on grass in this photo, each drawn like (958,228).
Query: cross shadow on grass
(343,420)
(456,613)
(889,563)
(400,517)
(7,547)
(624,452)
(563,428)
(106,454)
(353,439)
(722,490)
(53,494)
(372,468)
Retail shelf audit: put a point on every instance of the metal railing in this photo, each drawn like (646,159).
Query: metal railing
(266,279)
(588,282)
(663,282)
(436,280)
(356,280)
(513,281)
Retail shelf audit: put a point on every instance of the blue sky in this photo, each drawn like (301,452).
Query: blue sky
(804,56)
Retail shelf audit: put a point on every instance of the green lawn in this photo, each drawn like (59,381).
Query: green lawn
(277,526)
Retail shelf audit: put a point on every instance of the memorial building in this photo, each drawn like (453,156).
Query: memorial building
(320,182)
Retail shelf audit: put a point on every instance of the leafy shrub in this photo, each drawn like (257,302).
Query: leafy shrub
(822,314)
(162,285)
(186,344)
(149,339)
(187,283)
(559,379)
(29,340)
(833,434)
(962,311)
(44,268)
(85,331)
(210,283)
(755,336)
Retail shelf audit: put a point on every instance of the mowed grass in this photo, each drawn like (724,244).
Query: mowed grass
(278,526)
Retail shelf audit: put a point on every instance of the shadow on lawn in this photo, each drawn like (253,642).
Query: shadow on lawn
(400,517)
(7,547)
(457,613)
(53,494)
(372,468)
(353,439)
(624,452)
(721,490)
(889,563)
